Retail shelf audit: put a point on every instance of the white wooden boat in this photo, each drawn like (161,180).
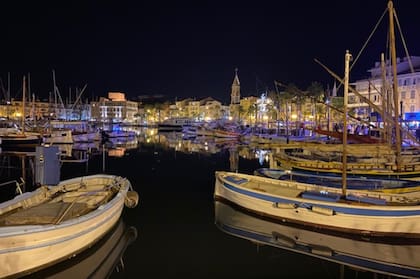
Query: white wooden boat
(82,131)
(174,124)
(58,137)
(356,212)
(53,223)
(396,259)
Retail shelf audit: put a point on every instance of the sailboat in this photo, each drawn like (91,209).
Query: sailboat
(367,213)
(16,137)
(402,166)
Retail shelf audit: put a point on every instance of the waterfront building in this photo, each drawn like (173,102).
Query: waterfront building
(114,109)
(210,109)
(408,71)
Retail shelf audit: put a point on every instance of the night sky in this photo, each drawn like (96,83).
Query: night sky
(191,49)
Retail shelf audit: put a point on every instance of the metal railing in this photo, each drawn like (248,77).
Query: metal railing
(19,185)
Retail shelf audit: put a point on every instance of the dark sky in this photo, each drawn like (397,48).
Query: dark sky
(191,49)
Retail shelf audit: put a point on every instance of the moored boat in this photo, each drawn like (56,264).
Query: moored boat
(334,180)
(174,124)
(356,212)
(53,223)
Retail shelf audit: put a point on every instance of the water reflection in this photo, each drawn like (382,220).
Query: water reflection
(20,163)
(234,158)
(402,260)
(100,261)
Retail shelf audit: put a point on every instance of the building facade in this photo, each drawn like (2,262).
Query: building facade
(376,88)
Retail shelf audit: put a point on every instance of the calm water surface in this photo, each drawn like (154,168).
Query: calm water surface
(176,231)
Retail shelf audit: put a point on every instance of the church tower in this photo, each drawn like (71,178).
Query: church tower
(235,94)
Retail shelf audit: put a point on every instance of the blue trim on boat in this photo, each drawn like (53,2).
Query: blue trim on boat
(337,209)
(236,180)
(366,199)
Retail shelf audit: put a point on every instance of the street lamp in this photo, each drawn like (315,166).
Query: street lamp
(328,113)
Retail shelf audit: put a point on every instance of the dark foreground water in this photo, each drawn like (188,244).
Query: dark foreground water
(174,231)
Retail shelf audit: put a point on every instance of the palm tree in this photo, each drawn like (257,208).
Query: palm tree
(316,93)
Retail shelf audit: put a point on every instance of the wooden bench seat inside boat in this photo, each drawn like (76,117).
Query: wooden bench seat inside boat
(63,207)
(47,213)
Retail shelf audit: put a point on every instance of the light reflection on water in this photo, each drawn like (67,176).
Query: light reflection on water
(176,215)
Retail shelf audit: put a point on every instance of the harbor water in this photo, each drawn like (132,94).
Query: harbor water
(178,230)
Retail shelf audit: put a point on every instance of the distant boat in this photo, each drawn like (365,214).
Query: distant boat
(53,223)
(395,259)
(223,133)
(18,140)
(12,136)
(174,124)
(82,131)
(352,138)
(58,137)
(120,134)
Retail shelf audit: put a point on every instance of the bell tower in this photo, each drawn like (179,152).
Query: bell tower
(235,94)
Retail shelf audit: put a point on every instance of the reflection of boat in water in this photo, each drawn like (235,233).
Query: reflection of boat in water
(77,152)
(402,260)
(97,262)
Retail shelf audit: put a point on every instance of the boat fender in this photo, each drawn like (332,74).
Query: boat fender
(323,210)
(131,199)
(284,205)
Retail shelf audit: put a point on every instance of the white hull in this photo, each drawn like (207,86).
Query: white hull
(25,248)
(86,137)
(59,137)
(282,200)
(225,134)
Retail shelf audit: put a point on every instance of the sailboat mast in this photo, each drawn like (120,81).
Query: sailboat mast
(395,85)
(23,104)
(346,96)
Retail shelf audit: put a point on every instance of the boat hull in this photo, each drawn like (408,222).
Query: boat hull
(352,218)
(28,248)
(11,141)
